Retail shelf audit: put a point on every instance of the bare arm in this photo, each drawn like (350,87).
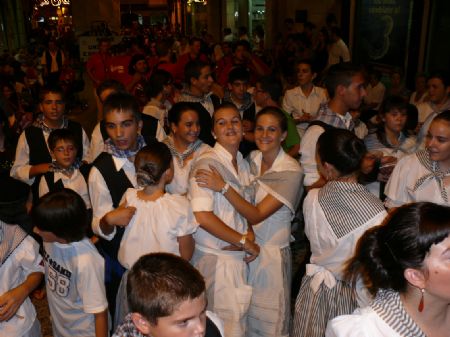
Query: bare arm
(254,214)
(186,245)
(13,299)
(101,324)
(212,224)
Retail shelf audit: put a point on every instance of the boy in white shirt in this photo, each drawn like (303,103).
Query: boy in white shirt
(74,270)
(64,171)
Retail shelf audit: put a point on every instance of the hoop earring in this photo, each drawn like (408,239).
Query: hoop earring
(421,303)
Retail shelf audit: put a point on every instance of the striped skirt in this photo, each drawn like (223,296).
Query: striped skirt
(314,310)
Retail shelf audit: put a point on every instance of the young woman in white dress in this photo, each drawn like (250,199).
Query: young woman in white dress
(224,237)
(336,215)
(424,175)
(277,187)
(405,262)
(184,144)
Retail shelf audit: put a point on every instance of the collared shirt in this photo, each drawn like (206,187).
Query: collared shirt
(309,141)
(21,167)
(205,200)
(296,103)
(100,195)
(338,53)
(247,102)
(76,182)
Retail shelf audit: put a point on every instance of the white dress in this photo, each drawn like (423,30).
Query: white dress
(155,226)
(400,189)
(335,218)
(225,272)
(180,181)
(24,260)
(385,317)
(270,273)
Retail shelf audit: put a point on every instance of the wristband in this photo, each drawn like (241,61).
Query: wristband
(243,240)
(225,189)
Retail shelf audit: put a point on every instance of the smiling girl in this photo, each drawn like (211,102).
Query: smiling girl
(424,176)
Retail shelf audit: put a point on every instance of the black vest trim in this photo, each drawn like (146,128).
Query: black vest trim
(149,128)
(51,184)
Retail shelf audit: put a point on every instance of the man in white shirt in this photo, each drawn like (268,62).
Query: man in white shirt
(338,51)
(345,84)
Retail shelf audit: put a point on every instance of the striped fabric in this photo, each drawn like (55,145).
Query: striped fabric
(389,307)
(316,309)
(342,203)
(326,115)
(11,236)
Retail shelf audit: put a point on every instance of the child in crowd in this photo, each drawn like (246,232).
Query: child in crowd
(390,141)
(64,171)
(167,298)
(162,223)
(20,263)
(74,270)
(32,155)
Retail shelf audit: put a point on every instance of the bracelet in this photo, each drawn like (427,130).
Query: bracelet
(225,189)
(243,240)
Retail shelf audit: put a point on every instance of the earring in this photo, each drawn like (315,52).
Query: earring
(214,136)
(421,304)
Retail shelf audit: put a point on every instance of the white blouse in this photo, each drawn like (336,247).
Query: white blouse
(155,226)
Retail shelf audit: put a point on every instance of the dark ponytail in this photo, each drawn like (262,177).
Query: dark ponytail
(383,253)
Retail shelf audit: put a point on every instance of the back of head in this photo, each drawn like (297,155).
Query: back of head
(383,253)
(122,102)
(109,84)
(342,149)
(13,203)
(151,162)
(158,283)
(340,74)
(272,86)
(62,213)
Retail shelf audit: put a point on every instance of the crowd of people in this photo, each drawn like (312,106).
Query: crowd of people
(174,218)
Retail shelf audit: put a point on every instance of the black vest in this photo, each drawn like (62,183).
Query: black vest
(51,184)
(117,183)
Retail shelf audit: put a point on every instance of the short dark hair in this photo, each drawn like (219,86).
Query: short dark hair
(159,282)
(175,112)
(53,89)
(277,113)
(394,102)
(193,69)
(443,75)
(340,74)
(151,162)
(243,43)
(238,74)
(227,31)
(61,134)
(135,59)
(342,149)
(194,39)
(402,241)
(122,102)
(109,84)
(156,82)
(309,62)
(62,213)
(272,86)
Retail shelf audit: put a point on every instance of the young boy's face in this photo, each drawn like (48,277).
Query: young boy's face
(123,129)
(52,107)
(189,320)
(64,153)
(238,89)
